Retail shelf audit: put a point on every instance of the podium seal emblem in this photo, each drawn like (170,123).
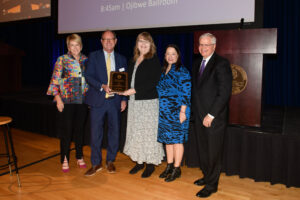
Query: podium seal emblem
(240,80)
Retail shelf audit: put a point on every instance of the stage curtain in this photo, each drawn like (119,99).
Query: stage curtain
(263,157)
(281,71)
(250,154)
(42,46)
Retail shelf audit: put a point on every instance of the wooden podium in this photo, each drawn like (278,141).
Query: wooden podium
(244,49)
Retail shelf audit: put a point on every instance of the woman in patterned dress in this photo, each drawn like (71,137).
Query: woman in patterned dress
(68,87)
(142,123)
(174,90)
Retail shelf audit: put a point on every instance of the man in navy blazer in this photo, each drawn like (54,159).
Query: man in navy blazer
(212,83)
(104,103)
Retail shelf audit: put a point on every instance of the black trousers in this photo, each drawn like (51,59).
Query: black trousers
(210,143)
(70,126)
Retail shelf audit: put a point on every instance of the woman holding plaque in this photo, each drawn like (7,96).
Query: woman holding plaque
(142,123)
(174,90)
(68,87)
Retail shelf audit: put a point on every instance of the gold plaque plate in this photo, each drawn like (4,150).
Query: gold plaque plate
(118,81)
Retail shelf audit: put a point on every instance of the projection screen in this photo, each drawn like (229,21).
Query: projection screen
(99,15)
(14,10)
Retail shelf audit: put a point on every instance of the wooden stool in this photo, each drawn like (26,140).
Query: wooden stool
(12,159)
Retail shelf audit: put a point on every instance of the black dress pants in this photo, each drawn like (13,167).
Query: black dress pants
(70,126)
(210,150)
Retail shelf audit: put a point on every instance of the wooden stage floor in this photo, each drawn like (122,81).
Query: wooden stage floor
(44,180)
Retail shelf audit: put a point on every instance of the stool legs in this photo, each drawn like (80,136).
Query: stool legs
(7,133)
(7,150)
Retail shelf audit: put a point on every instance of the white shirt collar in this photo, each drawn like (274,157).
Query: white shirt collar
(106,54)
(208,58)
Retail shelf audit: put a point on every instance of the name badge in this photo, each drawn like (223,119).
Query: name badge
(121,69)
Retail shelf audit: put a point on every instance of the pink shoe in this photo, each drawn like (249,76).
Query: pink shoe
(81,163)
(65,167)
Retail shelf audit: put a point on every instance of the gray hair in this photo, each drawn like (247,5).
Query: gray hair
(212,37)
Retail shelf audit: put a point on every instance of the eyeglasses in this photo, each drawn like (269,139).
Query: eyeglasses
(205,45)
(108,39)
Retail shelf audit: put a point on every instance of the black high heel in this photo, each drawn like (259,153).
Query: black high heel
(136,168)
(167,171)
(176,173)
(148,171)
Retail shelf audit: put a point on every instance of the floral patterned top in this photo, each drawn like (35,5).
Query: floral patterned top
(68,79)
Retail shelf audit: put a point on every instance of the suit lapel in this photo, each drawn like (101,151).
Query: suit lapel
(196,70)
(101,60)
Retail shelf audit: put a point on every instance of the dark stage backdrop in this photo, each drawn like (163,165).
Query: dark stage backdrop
(281,81)
(282,71)
(42,46)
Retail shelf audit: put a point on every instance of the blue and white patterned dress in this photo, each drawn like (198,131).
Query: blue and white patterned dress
(174,90)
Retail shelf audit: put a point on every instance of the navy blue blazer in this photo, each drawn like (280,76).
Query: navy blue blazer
(96,75)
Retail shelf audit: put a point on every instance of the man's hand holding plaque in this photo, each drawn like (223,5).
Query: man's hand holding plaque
(118,82)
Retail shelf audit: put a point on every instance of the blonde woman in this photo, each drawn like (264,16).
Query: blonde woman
(142,123)
(68,87)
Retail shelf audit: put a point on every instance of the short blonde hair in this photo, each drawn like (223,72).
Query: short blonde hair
(74,37)
(145,36)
